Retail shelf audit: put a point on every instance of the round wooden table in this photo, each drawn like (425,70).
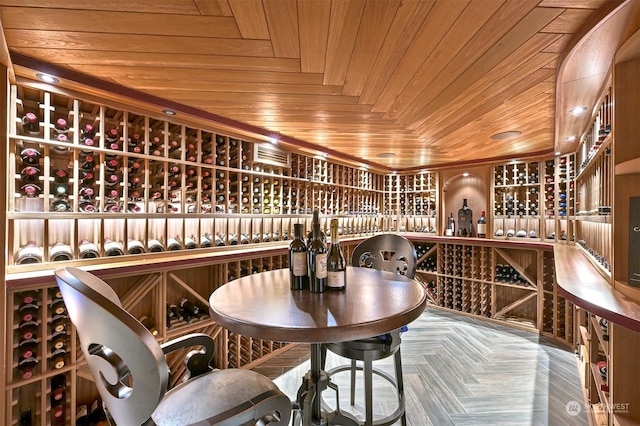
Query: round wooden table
(263,306)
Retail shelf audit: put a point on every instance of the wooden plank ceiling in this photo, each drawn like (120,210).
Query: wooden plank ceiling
(427,81)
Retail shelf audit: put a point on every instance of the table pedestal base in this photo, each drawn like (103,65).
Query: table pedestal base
(309,398)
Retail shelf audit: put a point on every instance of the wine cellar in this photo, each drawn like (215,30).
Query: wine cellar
(90,182)
(166,209)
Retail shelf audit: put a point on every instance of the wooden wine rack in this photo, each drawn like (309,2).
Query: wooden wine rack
(594,188)
(510,282)
(535,200)
(160,180)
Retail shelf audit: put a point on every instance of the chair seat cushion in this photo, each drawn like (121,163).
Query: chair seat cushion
(215,395)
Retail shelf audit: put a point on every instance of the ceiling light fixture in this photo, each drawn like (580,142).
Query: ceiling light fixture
(506,135)
(558,153)
(47,78)
(571,138)
(386,155)
(465,174)
(169,112)
(578,110)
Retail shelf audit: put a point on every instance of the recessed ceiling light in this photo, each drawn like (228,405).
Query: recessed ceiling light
(386,155)
(506,135)
(47,78)
(578,110)
(465,174)
(169,112)
(558,153)
(571,138)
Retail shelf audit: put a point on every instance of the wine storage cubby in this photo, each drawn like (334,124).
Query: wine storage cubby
(504,281)
(411,202)
(89,181)
(535,199)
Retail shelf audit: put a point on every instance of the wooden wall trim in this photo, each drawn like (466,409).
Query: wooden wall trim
(4,87)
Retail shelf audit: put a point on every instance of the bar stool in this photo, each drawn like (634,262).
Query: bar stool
(386,252)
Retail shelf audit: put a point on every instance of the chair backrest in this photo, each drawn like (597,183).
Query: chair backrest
(386,252)
(126,361)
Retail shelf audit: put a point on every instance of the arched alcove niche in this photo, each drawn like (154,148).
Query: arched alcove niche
(459,186)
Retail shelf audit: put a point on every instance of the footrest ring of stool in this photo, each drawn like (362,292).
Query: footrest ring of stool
(383,421)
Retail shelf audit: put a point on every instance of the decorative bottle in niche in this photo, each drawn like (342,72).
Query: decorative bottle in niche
(298,260)
(450,229)
(317,260)
(336,265)
(481,229)
(465,220)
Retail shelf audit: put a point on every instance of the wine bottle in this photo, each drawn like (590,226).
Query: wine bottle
(112,139)
(134,247)
(60,190)
(154,246)
(173,244)
(336,264)
(316,219)
(87,133)
(317,255)
(298,260)
(30,253)
(482,225)
(58,358)
(30,174)
(60,252)
(30,124)
(87,207)
(30,156)
(61,127)
(135,144)
(205,240)
(28,348)
(27,367)
(465,220)
(60,205)
(190,243)
(88,250)
(58,385)
(87,162)
(112,248)
(58,340)
(149,324)
(30,190)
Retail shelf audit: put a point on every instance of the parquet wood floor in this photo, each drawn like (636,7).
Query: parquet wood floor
(462,371)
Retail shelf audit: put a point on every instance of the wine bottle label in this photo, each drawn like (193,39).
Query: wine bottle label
(481,228)
(335,279)
(300,264)
(321,265)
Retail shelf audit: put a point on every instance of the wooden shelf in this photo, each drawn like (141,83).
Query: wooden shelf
(628,167)
(580,282)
